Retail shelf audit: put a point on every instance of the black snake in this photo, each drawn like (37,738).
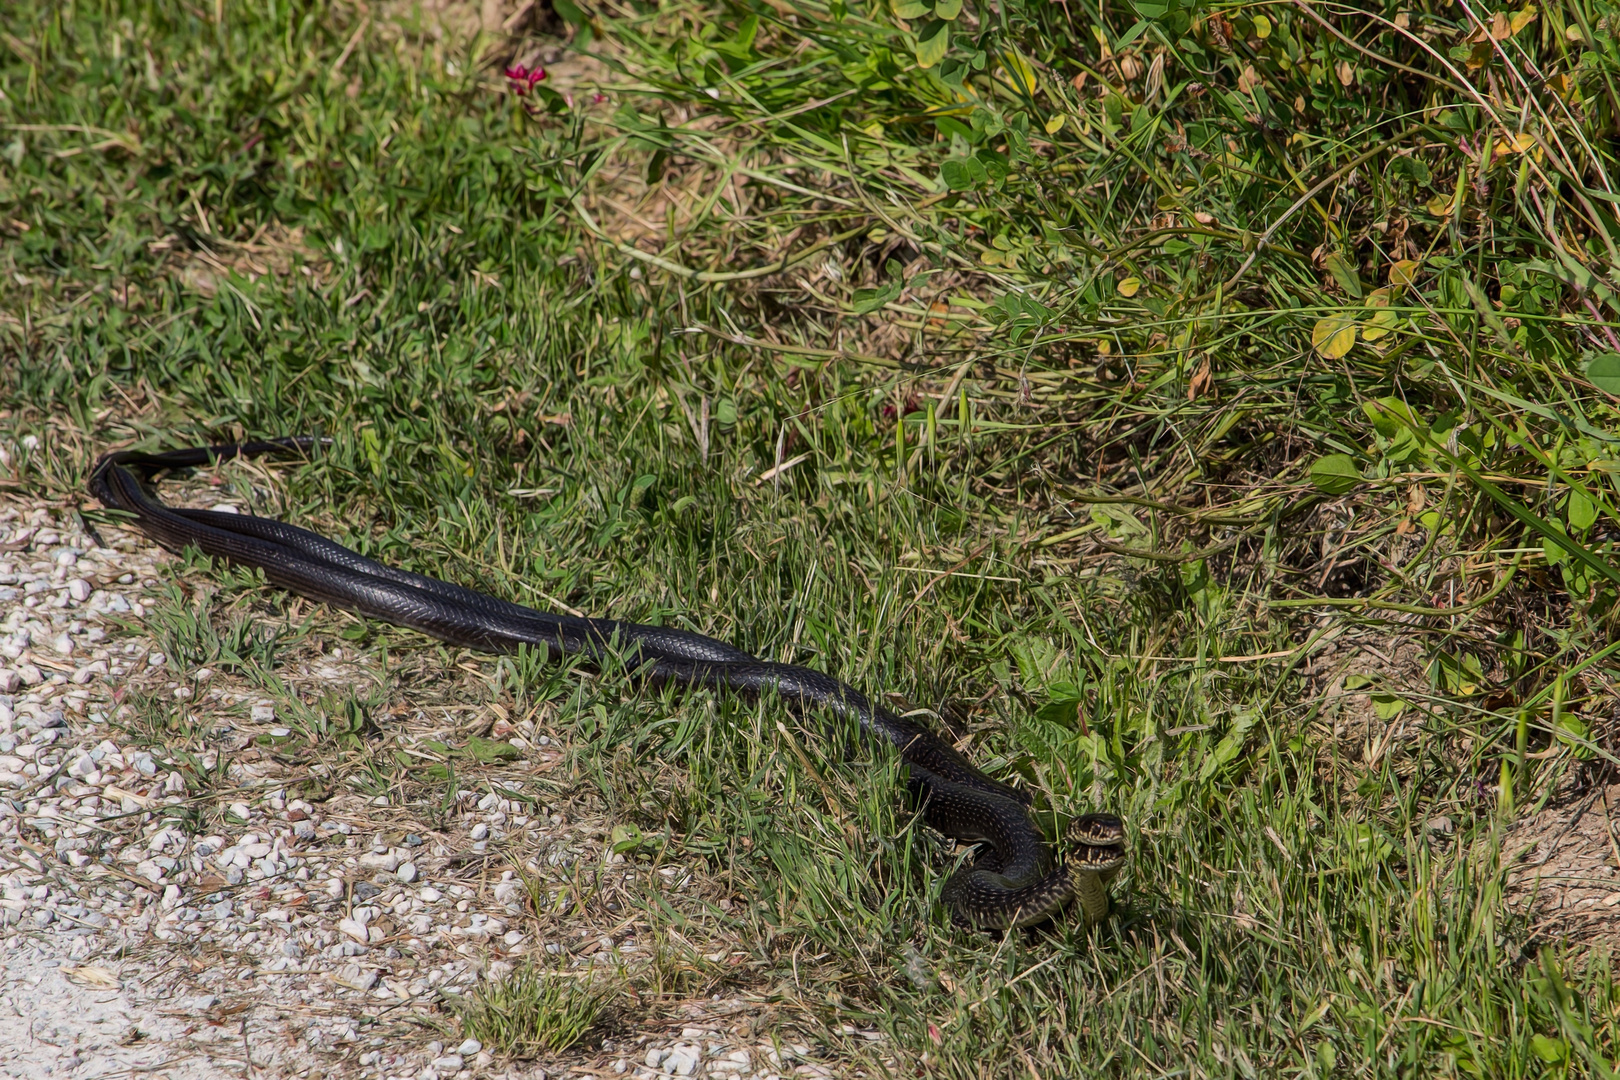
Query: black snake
(1015,881)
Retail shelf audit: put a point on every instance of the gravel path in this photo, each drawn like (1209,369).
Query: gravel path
(150,928)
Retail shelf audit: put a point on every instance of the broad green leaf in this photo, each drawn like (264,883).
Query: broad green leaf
(1333,336)
(625,838)
(1343,269)
(947,9)
(1580,511)
(490,751)
(1378,324)
(909,9)
(1335,473)
(1573,732)
(1604,371)
(1387,706)
(1262,27)
(933,42)
(1054,124)
(963,174)
(869,300)
(1390,416)
(1548,1049)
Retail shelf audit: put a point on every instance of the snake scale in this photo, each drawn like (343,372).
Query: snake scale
(1016,880)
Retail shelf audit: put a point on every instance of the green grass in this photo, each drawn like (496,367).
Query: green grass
(1255,354)
(531,1012)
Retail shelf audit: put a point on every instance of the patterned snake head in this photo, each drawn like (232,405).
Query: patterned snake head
(1096,851)
(1097,841)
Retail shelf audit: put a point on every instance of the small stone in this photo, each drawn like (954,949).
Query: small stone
(355,929)
(1442,825)
(30,675)
(357,978)
(9,681)
(681,1061)
(79,589)
(380,860)
(365,890)
(240,811)
(407,874)
(479,831)
(90,671)
(469,1047)
(448,1063)
(263,712)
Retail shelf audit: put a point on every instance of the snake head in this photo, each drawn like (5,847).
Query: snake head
(1096,842)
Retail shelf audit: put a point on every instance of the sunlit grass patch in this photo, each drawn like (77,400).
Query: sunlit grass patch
(533,1010)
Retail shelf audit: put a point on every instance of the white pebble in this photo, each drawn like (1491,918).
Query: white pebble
(479,831)
(407,874)
(79,589)
(240,811)
(448,1063)
(469,1048)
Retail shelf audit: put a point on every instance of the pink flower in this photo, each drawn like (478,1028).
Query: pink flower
(522,79)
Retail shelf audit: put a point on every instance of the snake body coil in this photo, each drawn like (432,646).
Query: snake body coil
(1016,881)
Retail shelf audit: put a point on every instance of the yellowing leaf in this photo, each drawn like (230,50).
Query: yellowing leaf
(1054,124)
(1522,19)
(1018,72)
(1440,205)
(1262,27)
(990,257)
(1248,79)
(1517,144)
(1130,286)
(933,41)
(1403,273)
(1378,298)
(1333,336)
